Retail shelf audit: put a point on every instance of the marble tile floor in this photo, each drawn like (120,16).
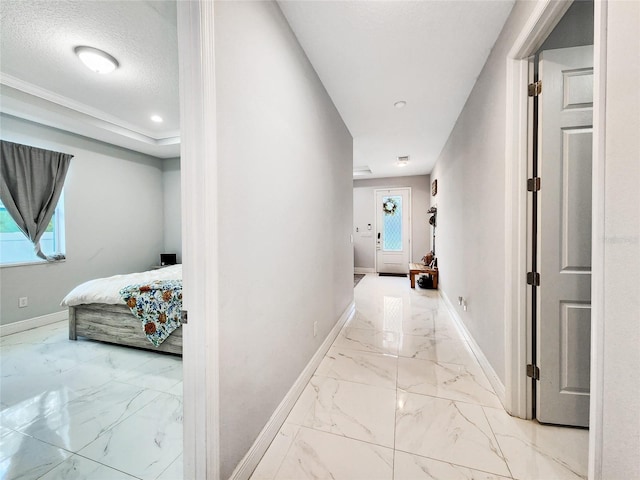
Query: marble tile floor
(399,396)
(87,410)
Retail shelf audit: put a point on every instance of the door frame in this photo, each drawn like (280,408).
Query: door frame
(199,182)
(546,15)
(375,224)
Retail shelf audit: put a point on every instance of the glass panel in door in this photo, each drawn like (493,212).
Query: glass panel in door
(392,226)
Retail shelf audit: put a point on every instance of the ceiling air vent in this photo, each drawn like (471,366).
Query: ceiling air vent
(402,161)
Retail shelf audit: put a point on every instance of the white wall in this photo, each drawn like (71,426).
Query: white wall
(364,212)
(172,207)
(621,355)
(471,201)
(284,216)
(113,217)
(470,226)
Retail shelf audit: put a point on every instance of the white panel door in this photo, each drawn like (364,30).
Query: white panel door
(393,208)
(564,235)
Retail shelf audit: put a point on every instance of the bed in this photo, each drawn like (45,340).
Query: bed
(98,312)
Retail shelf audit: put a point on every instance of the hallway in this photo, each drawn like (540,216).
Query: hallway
(400,396)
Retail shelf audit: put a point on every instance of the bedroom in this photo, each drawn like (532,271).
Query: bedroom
(121,210)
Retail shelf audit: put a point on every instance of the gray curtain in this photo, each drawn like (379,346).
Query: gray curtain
(31,181)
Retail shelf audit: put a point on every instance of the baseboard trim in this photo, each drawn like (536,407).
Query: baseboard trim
(250,461)
(28,324)
(491,374)
(363,270)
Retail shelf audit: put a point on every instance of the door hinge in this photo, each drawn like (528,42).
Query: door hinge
(184,316)
(533,278)
(533,371)
(534,89)
(533,184)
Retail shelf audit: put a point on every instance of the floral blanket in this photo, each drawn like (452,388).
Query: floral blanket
(158,305)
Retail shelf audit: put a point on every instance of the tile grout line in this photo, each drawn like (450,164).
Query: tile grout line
(117,469)
(395,418)
(345,437)
(496,439)
(456,464)
(281,462)
(465,402)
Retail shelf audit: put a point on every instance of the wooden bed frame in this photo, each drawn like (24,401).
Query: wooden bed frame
(116,324)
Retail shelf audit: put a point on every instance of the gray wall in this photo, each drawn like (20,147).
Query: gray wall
(172,207)
(364,212)
(575,29)
(471,229)
(113,217)
(471,201)
(621,356)
(284,215)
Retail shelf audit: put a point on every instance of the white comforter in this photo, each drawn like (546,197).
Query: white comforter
(106,290)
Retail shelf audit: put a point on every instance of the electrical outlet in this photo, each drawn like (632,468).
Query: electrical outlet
(315,329)
(23,302)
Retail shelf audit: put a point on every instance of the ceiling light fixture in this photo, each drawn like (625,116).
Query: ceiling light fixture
(156,118)
(400,104)
(402,161)
(96,60)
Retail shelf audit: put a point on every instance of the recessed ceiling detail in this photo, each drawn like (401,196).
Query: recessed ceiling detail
(43,81)
(361,171)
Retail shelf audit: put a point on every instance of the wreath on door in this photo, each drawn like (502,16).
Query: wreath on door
(389,206)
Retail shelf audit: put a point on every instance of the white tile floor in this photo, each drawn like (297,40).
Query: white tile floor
(399,396)
(87,410)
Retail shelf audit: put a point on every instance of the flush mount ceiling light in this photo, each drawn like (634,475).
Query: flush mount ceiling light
(96,60)
(400,104)
(156,118)
(402,161)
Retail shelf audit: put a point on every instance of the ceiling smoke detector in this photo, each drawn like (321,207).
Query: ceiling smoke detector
(96,60)
(402,161)
(400,104)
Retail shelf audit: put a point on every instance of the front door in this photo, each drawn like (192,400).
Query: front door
(564,235)
(393,208)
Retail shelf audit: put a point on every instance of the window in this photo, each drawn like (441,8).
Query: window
(392,239)
(16,248)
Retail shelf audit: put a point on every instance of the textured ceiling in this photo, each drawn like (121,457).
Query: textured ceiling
(371,54)
(37,60)
(368,54)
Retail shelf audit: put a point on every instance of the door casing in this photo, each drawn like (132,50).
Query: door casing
(545,16)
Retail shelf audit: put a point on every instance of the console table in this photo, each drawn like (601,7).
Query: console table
(417,268)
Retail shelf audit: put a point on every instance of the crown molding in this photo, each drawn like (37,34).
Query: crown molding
(164,138)
(43,107)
